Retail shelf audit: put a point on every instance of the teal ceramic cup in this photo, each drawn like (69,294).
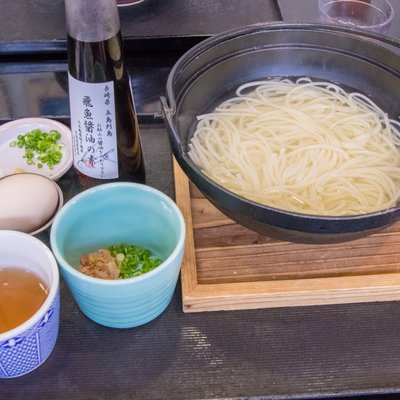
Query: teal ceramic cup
(116,213)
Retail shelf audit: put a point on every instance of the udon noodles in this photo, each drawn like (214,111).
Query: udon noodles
(302,146)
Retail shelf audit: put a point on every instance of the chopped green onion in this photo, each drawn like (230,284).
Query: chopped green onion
(41,148)
(133,260)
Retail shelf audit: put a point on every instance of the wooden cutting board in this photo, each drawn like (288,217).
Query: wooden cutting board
(227,267)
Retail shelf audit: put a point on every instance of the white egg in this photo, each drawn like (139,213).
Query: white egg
(27,201)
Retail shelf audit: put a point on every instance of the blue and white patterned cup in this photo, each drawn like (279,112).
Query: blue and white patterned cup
(27,346)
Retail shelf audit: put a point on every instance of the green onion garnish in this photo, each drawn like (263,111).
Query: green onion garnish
(41,148)
(133,260)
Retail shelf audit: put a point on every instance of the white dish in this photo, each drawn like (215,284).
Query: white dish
(12,158)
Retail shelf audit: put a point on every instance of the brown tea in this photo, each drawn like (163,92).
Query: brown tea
(21,295)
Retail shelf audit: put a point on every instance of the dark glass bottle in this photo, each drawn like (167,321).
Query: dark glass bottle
(104,123)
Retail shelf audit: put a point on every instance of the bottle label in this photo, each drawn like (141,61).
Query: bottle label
(94,131)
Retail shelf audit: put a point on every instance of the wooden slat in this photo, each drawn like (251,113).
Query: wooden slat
(227,267)
(182,192)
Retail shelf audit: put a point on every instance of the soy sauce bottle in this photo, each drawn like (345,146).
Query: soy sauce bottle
(105,130)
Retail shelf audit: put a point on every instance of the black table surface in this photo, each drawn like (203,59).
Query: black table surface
(314,352)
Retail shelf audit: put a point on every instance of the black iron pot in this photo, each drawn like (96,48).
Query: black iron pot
(211,71)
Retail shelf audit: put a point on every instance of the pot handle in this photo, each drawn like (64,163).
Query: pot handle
(168,113)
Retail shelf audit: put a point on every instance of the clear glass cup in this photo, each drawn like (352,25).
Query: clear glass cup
(373,15)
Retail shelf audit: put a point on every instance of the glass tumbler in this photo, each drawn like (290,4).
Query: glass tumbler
(373,15)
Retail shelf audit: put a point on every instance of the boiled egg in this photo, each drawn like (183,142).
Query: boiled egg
(28,202)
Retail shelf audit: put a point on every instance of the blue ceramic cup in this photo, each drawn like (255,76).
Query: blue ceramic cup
(117,213)
(27,346)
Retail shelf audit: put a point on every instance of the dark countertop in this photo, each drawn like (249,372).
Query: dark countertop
(283,353)
(172,19)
